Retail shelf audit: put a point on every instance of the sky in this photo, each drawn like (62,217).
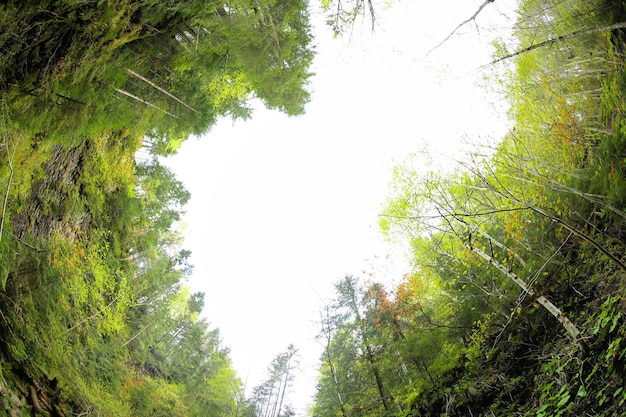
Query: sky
(284,207)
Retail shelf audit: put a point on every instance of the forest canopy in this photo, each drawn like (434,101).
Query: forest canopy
(96,314)
(514,303)
(167,68)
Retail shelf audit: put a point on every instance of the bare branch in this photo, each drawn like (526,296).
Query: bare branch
(455,214)
(26,243)
(438,325)
(500,189)
(472,18)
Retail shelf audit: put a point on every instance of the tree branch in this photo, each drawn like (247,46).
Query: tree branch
(456,215)
(26,243)
(465,22)
(96,314)
(507,194)
(437,325)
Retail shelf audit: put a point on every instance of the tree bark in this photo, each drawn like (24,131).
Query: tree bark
(6,194)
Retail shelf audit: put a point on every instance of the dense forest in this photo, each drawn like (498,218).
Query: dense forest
(96,317)
(514,304)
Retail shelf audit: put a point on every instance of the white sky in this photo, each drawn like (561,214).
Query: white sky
(282,208)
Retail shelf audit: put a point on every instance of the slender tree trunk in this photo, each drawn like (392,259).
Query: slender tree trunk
(96,314)
(147,103)
(379,380)
(275,402)
(161,89)
(282,395)
(70,99)
(571,328)
(136,334)
(331,365)
(333,372)
(426,370)
(576,33)
(269,401)
(6,194)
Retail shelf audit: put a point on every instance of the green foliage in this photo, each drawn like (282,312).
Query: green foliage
(78,68)
(537,222)
(92,273)
(383,347)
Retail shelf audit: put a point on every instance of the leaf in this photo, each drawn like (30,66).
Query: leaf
(618,391)
(616,318)
(564,399)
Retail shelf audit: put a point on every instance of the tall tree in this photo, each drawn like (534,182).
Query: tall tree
(462,210)
(268,398)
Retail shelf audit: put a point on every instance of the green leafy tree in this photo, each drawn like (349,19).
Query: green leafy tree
(165,70)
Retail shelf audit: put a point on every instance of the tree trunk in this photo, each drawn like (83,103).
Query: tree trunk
(147,103)
(379,381)
(284,388)
(331,365)
(164,91)
(571,328)
(576,33)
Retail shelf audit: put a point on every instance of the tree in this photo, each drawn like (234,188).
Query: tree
(349,297)
(329,364)
(268,398)
(383,344)
(167,71)
(272,49)
(464,207)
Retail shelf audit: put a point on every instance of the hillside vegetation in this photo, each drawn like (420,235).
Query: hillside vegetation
(515,304)
(95,317)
